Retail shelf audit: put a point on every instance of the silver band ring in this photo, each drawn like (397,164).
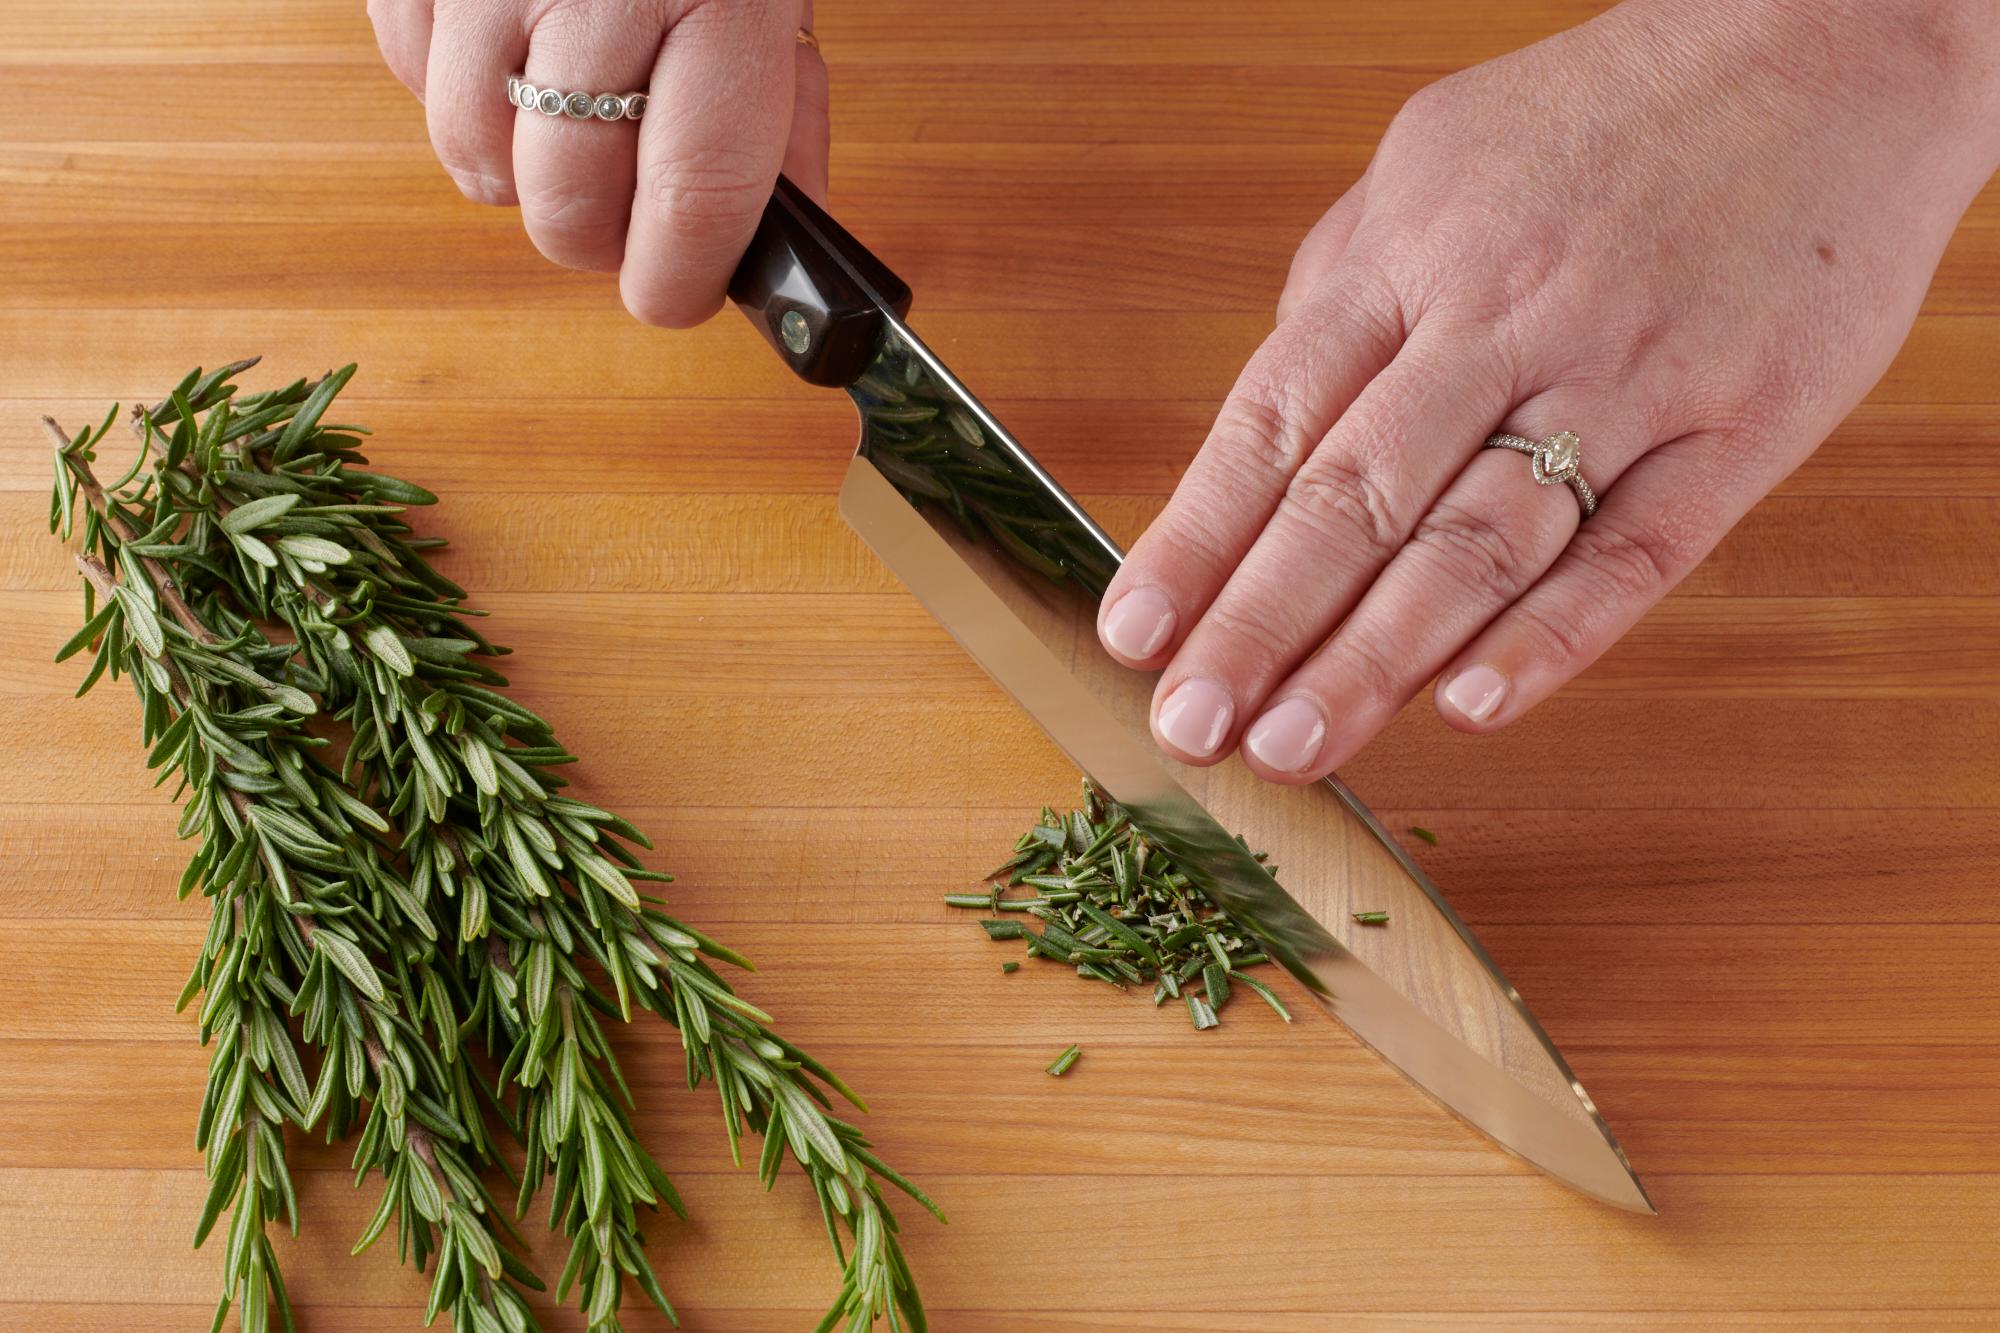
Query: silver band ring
(1555,461)
(577,105)
(596,106)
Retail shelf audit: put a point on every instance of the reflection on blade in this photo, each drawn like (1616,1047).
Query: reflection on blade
(1007,562)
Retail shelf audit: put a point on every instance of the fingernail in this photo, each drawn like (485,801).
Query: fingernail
(1195,717)
(477,186)
(1476,692)
(1288,737)
(1137,625)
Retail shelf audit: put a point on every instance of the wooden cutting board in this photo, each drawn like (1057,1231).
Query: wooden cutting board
(1745,870)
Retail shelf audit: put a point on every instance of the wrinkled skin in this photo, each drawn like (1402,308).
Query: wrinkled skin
(1694,232)
(668,202)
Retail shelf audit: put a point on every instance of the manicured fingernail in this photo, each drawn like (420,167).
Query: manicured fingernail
(1477,692)
(1137,625)
(1288,737)
(1195,717)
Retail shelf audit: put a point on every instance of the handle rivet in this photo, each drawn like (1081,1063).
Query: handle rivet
(792,328)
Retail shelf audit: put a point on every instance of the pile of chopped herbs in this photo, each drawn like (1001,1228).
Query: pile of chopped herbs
(1116,908)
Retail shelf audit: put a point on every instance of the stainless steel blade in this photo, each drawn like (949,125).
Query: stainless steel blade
(1008,562)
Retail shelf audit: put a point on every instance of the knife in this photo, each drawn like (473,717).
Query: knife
(1008,562)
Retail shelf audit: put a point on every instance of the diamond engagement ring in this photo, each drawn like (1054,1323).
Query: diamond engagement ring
(575,106)
(1555,461)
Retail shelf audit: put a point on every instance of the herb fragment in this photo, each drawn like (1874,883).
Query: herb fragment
(1116,909)
(1372,918)
(1065,1060)
(1010,966)
(1418,831)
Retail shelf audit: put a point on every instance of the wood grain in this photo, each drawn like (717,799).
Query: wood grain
(1744,869)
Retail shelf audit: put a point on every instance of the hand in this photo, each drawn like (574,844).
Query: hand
(669,202)
(1693,233)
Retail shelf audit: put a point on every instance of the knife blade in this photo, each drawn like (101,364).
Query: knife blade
(1012,567)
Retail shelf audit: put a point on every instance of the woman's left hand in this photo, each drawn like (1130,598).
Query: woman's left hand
(1694,232)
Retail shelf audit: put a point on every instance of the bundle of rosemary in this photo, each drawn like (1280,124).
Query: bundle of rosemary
(415,939)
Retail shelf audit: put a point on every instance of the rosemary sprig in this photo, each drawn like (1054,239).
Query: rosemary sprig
(1118,909)
(281,871)
(430,895)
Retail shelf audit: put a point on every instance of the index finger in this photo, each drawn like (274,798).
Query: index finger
(1307,373)
(717,120)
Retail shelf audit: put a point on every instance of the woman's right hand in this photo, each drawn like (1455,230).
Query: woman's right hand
(669,201)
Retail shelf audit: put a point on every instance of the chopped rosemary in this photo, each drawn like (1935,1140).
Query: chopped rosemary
(1372,918)
(1118,910)
(1419,831)
(1062,1062)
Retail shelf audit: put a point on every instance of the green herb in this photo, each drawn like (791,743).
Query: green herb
(1065,1060)
(1010,966)
(1270,997)
(1372,918)
(917,434)
(1419,831)
(403,904)
(1118,910)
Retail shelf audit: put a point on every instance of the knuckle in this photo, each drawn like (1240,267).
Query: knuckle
(1341,501)
(1632,564)
(1367,665)
(1274,417)
(1188,534)
(1264,421)
(1430,102)
(1561,632)
(574,227)
(1366,311)
(1257,638)
(702,197)
(1475,549)
(1623,570)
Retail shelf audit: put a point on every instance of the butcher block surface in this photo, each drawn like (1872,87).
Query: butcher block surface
(1746,870)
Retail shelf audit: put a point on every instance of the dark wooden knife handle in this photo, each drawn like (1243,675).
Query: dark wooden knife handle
(814,291)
